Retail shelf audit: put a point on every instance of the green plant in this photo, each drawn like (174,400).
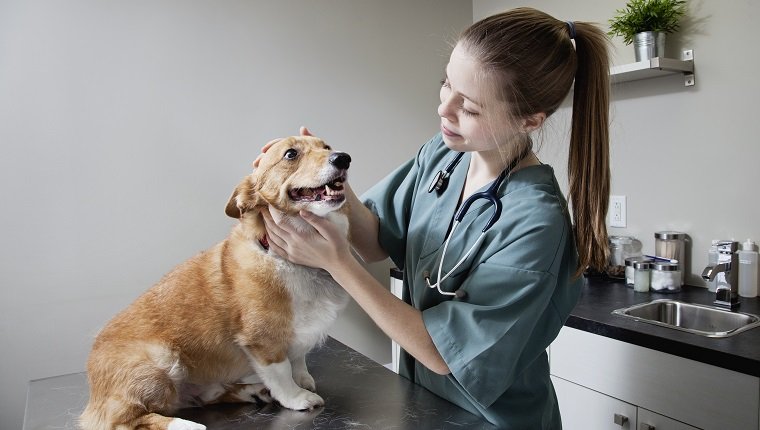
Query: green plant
(647,15)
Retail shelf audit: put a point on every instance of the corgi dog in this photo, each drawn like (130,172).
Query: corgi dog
(232,312)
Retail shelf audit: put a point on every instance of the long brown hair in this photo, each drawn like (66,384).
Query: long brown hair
(532,55)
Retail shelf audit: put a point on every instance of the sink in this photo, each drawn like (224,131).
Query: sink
(693,318)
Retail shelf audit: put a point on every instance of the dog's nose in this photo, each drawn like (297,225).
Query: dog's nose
(340,160)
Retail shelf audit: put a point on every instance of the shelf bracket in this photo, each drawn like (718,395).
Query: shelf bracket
(688,77)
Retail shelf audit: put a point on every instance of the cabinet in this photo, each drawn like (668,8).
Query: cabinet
(651,387)
(582,408)
(397,288)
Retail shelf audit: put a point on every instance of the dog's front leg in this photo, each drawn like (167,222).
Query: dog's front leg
(301,374)
(278,376)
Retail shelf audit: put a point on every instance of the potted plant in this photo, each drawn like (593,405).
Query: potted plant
(645,23)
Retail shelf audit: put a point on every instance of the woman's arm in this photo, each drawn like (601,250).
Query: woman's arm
(364,228)
(327,249)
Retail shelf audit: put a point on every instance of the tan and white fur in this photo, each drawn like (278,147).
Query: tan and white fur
(232,312)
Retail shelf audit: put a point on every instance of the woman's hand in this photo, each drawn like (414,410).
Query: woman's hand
(323,247)
(303,131)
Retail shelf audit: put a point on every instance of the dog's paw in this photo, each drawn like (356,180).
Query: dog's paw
(305,381)
(180,424)
(303,401)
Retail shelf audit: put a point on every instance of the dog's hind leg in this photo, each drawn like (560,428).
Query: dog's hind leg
(243,393)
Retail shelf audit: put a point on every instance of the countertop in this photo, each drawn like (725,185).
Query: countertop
(358,393)
(601,296)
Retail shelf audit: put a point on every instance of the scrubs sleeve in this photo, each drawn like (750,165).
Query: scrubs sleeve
(391,200)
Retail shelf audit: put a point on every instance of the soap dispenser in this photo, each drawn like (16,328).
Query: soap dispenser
(748,266)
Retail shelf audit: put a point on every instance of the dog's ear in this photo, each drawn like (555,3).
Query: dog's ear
(243,199)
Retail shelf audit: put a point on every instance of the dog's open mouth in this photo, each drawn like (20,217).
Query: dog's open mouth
(332,191)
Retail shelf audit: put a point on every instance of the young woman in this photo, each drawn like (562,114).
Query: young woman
(484,348)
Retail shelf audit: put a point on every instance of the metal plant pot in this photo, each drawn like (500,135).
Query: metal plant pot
(649,44)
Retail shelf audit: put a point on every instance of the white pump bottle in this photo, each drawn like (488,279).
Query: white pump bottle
(748,269)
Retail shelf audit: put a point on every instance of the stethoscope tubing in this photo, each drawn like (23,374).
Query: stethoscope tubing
(439,184)
(437,285)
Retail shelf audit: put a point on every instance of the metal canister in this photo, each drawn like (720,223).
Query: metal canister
(672,246)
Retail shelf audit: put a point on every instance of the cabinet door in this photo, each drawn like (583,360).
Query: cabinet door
(649,420)
(586,409)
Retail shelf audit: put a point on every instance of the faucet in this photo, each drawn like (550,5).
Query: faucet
(727,293)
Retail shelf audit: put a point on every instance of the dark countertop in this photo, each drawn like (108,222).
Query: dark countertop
(358,393)
(593,313)
(601,296)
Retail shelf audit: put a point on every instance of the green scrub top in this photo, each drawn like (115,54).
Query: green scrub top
(519,284)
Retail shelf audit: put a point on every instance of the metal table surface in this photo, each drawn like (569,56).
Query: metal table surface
(358,393)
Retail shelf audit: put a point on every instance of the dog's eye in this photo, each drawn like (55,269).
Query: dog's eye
(291,154)
(327,147)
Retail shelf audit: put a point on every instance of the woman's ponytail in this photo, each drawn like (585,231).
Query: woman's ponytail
(588,162)
(533,57)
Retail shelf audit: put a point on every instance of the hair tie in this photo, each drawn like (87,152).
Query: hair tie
(571,29)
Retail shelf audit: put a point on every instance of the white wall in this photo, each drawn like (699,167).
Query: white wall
(124,127)
(685,157)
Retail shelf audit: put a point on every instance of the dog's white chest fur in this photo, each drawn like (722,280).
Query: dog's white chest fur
(316,297)
(316,301)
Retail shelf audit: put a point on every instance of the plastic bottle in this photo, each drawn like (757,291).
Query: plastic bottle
(748,269)
(712,260)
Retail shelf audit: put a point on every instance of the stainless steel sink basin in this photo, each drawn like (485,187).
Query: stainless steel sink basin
(693,318)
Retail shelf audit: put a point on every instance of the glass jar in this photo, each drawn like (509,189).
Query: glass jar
(621,247)
(666,277)
(642,275)
(629,268)
(671,245)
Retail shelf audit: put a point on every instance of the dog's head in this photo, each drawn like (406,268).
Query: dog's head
(299,172)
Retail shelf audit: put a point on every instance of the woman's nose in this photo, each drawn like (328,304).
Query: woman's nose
(445,109)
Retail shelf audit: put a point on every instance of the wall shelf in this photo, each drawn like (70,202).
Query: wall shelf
(655,67)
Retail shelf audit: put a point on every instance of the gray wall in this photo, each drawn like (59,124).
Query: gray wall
(124,127)
(685,157)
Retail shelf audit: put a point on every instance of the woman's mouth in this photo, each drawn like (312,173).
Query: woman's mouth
(448,132)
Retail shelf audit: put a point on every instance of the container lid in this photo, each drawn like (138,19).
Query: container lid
(669,235)
(621,240)
(748,245)
(665,266)
(643,265)
(631,260)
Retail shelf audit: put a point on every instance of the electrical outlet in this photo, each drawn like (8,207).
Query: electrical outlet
(617,211)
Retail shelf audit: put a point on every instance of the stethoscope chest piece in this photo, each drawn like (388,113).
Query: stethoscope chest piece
(440,181)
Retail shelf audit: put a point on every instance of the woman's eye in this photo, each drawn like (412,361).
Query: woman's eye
(291,154)
(445,83)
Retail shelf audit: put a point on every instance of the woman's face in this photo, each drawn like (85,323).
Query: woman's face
(473,118)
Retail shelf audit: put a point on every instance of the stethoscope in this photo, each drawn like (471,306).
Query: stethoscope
(439,184)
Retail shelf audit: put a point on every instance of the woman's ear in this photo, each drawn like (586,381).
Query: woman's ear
(244,198)
(532,122)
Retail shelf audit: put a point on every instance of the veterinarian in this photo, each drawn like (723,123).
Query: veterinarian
(484,349)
